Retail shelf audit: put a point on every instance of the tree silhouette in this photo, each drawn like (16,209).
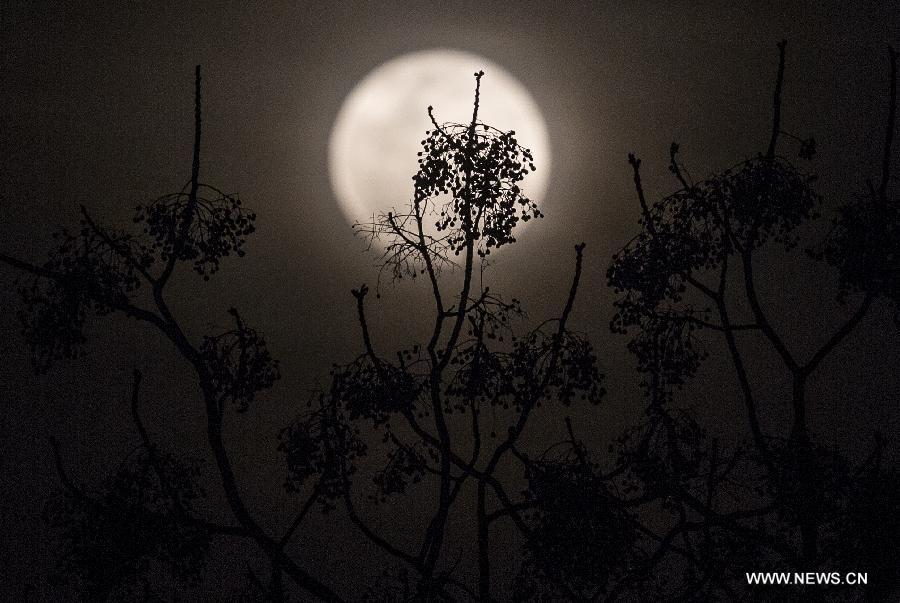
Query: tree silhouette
(670,511)
(468,182)
(781,500)
(430,406)
(144,514)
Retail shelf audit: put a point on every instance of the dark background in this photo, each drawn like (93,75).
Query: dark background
(97,110)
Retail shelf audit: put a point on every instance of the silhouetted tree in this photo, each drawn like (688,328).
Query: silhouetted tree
(669,511)
(780,501)
(431,404)
(144,514)
(143,518)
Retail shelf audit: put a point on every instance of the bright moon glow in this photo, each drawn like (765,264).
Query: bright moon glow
(375,138)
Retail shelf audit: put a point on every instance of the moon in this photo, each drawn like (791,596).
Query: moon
(380,126)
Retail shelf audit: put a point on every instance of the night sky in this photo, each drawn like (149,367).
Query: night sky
(97,110)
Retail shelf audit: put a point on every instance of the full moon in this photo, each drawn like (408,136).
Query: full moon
(380,126)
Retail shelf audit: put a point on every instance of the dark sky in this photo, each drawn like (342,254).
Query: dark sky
(96,110)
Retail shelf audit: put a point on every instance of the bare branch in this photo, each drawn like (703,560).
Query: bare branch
(760,317)
(304,511)
(360,295)
(889,130)
(776,102)
(675,168)
(187,215)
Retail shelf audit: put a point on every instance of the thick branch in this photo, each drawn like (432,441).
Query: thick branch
(639,189)
(360,295)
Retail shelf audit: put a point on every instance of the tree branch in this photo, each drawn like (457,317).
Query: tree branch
(760,317)
(304,511)
(122,251)
(360,295)
(187,216)
(839,336)
(889,130)
(776,102)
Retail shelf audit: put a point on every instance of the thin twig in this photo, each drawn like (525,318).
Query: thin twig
(889,130)
(776,102)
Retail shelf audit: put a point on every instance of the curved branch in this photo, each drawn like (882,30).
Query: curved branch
(360,295)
